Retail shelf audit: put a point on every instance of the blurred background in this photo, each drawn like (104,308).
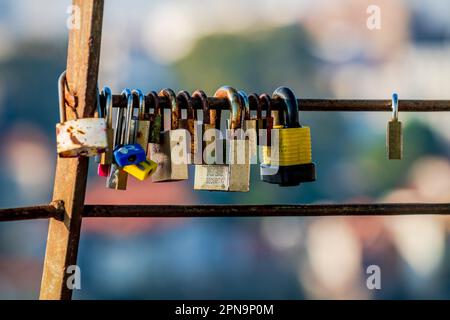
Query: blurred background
(320,49)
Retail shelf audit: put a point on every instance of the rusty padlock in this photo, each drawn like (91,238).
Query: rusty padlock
(171,155)
(79,137)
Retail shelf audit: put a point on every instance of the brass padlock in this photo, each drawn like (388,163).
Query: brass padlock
(213,173)
(80,137)
(394,140)
(171,154)
(156,121)
(117,178)
(235,174)
(193,126)
(250,128)
(288,161)
(143,121)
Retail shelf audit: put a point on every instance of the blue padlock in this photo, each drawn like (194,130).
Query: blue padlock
(130,152)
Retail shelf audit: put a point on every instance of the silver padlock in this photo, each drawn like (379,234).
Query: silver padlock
(79,137)
(213,173)
(171,154)
(117,178)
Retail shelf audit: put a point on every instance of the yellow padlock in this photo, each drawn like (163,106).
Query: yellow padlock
(142,170)
(288,161)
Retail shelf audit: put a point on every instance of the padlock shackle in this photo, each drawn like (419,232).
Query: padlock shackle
(245,104)
(174,107)
(141,99)
(61,97)
(156,106)
(128,117)
(184,100)
(290,116)
(234,101)
(118,128)
(200,94)
(254,97)
(395,106)
(267,102)
(108,96)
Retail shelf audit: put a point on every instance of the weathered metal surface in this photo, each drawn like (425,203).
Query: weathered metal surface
(317,104)
(71,174)
(82,137)
(174,211)
(53,210)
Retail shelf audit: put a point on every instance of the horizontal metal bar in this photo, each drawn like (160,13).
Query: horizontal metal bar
(316,104)
(53,210)
(173,211)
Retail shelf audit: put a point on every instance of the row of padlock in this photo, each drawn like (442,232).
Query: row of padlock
(138,145)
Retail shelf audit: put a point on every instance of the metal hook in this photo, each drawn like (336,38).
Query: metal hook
(253,98)
(107,94)
(205,107)
(185,98)
(62,99)
(291,117)
(174,107)
(141,99)
(235,105)
(129,115)
(395,106)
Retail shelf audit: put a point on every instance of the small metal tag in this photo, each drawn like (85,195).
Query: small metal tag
(212,177)
(394,140)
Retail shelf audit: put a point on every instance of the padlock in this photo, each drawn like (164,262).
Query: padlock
(105,159)
(394,141)
(80,137)
(193,126)
(250,128)
(107,156)
(141,171)
(235,175)
(213,173)
(144,168)
(142,122)
(129,153)
(156,121)
(171,155)
(288,161)
(117,177)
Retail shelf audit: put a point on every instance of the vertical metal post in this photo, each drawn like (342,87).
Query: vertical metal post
(71,174)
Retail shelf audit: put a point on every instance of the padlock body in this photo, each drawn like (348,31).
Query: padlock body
(155,128)
(141,171)
(239,163)
(103,170)
(394,140)
(81,137)
(129,154)
(107,156)
(294,147)
(288,162)
(288,176)
(212,177)
(252,135)
(117,178)
(143,133)
(171,156)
